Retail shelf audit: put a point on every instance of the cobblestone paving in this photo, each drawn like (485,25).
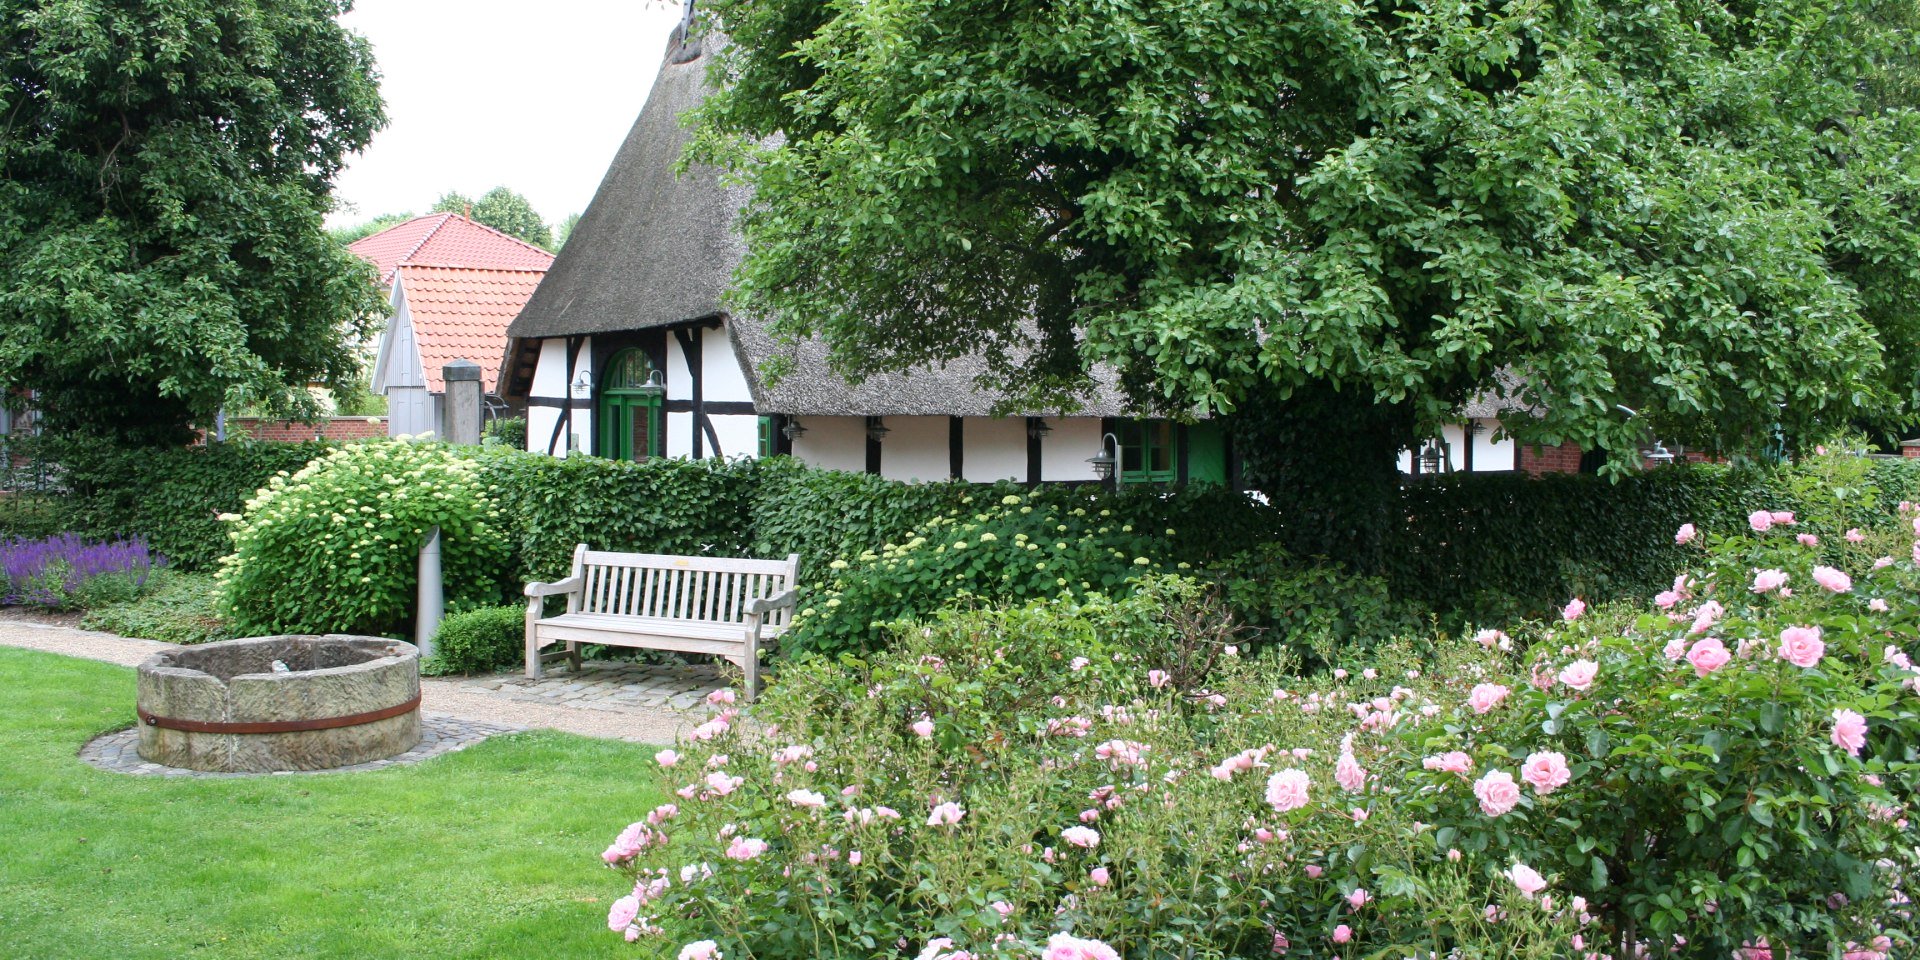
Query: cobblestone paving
(439,733)
(609,686)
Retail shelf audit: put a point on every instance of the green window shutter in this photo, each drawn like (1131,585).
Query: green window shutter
(1207,453)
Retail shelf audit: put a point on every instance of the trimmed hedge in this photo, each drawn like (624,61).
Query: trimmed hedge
(172,497)
(478,641)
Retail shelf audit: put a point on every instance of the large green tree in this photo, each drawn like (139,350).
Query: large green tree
(503,210)
(1697,210)
(164,168)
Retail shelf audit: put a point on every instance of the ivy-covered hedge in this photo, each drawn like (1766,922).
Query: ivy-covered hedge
(172,497)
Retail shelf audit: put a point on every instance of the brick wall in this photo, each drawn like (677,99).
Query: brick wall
(286,431)
(1536,460)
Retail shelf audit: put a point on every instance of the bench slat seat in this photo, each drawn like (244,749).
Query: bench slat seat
(720,606)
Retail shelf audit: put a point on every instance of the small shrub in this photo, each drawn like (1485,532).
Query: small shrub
(1009,549)
(334,547)
(508,432)
(67,571)
(478,641)
(176,607)
(1318,611)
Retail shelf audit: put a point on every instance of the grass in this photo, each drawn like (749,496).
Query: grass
(489,852)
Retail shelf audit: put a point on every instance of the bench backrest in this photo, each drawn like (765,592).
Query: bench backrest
(702,589)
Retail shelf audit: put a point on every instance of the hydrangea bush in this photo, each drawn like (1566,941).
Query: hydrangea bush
(1726,774)
(334,547)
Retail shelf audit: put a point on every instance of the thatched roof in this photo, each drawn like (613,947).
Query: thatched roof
(652,249)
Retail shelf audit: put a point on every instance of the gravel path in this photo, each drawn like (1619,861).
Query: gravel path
(458,698)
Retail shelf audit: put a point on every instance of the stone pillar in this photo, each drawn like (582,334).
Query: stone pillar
(463,401)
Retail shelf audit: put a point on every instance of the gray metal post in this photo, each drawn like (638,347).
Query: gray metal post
(430,603)
(463,401)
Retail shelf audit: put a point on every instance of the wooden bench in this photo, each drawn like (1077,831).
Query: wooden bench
(724,607)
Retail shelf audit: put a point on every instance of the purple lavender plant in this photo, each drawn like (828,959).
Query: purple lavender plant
(51,572)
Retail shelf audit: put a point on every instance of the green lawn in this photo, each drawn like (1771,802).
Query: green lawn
(489,852)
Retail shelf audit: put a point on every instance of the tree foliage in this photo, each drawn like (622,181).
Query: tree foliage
(164,167)
(503,210)
(1696,210)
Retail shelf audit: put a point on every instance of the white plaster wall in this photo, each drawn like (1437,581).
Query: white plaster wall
(679,435)
(917,448)
(1406,461)
(723,381)
(552,380)
(1489,454)
(679,376)
(996,449)
(1064,452)
(1455,436)
(739,435)
(834,443)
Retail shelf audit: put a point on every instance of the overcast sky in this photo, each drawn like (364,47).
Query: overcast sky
(535,97)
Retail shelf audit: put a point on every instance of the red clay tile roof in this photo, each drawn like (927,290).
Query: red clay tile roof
(462,314)
(447,240)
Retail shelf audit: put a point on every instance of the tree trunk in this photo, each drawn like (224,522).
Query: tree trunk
(1328,461)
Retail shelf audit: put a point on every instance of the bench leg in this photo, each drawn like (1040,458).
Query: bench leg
(533,640)
(573,656)
(751,666)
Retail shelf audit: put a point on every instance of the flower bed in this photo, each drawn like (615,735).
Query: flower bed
(1727,771)
(67,570)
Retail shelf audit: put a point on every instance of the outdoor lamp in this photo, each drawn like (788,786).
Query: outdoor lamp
(583,384)
(1659,456)
(656,385)
(1104,461)
(1430,458)
(1038,429)
(793,430)
(877,429)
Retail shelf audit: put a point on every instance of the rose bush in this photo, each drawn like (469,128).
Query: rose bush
(1727,772)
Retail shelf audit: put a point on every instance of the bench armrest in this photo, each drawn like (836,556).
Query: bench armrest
(767,605)
(555,588)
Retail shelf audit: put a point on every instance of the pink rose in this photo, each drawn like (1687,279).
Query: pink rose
(1159,678)
(1849,731)
(1675,649)
(1833,580)
(1686,534)
(1287,790)
(1099,876)
(1760,520)
(945,815)
(745,848)
(1348,773)
(922,728)
(1486,696)
(666,758)
(1527,879)
(1062,946)
(1808,540)
(1855,536)
(1877,605)
(1342,934)
(1705,617)
(1497,792)
(1453,761)
(1573,609)
(1782,516)
(720,696)
(621,915)
(1359,898)
(1579,674)
(1314,871)
(1546,772)
(701,950)
(1708,655)
(1085,838)
(1802,646)
(806,798)
(1765,581)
